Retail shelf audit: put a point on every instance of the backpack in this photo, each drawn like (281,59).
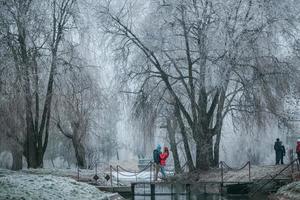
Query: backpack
(156,157)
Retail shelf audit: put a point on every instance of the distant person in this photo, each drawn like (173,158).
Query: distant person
(156,159)
(282,153)
(298,150)
(163,158)
(278,150)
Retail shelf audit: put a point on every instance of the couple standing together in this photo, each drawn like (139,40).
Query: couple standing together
(160,160)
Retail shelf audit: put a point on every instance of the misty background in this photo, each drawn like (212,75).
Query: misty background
(108,104)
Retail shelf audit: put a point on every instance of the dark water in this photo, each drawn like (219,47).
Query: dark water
(202,197)
(177,191)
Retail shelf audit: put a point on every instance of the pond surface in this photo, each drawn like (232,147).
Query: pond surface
(201,197)
(177,191)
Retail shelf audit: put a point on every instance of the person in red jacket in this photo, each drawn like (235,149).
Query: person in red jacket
(163,157)
(298,149)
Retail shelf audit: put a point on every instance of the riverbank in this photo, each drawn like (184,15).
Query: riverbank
(42,184)
(288,192)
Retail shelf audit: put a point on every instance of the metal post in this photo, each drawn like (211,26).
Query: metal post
(111,177)
(188,191)
(77,172)
(152,188)
(96,169)
(222,179)
(135,176)
(249,170)
(117,175)
(291,160)
(150,171)
(132,190)
(222,173)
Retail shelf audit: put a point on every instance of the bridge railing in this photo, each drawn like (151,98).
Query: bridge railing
(129,173)
(261,186)
(224,166)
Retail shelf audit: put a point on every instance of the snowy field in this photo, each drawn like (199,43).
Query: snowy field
(20,185)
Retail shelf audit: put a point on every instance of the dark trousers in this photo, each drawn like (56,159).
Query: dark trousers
(298,155)
(279,157)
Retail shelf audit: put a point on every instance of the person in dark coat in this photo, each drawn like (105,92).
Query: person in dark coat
(156,159)
(278,150)
(298,150)
(282,153)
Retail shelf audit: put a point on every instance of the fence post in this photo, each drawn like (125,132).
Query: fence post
(117,175)
(77,172)
(188,191)
(249,170)
(132,190)
(111,177)
(222,179)
(152,189)
(150,171)
(222,173)
(291,160)
(96,169)
(135,175)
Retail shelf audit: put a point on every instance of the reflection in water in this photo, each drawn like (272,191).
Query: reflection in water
(201,197)
(177,191)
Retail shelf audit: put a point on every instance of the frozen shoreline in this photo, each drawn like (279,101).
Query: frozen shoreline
(20,185)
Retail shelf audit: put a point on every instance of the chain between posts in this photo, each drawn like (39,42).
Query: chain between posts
(223,165)
(133,173)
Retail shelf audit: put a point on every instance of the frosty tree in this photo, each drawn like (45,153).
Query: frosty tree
(209,58)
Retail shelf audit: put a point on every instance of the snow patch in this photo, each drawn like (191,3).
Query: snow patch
(15,185)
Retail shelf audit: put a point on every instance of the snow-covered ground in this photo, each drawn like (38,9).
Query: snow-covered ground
(288,192)
(20,185)
(127,177)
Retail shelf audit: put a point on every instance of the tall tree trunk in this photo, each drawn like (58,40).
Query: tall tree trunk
(211,153)
(203,146)
(219,123)
(30,141)
(217,149)
(187,150)
(79,153)
(171,133)
(17,160)
(78,135)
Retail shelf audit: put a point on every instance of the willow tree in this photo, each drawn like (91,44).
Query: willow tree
(212,57)
(30,41)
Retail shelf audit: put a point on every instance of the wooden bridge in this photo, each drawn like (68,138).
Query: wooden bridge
(154,189)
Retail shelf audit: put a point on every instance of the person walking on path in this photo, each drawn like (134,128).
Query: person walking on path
(156,159)
(278,150)
(163,158)
(298,150)
(282,153)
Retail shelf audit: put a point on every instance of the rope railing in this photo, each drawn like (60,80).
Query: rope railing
(234,169)
(223,165)
(136,172)
(120,171)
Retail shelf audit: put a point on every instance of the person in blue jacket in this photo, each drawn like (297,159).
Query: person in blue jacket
(156,159)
